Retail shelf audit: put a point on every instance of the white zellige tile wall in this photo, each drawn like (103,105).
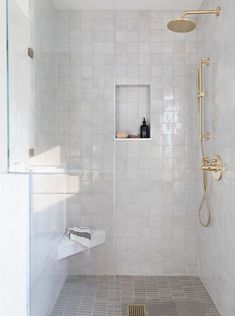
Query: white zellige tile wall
(217,243)
(44,114)
(86,126)
(156,180)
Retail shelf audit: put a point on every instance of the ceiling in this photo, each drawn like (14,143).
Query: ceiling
(127,4)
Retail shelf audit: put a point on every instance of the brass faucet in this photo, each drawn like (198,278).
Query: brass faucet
(213,164)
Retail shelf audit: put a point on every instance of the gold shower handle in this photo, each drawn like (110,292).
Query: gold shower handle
(214,165)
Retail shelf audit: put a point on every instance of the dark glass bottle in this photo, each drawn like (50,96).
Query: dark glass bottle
(144,130)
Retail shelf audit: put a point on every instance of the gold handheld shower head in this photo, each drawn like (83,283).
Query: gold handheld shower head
(183,25)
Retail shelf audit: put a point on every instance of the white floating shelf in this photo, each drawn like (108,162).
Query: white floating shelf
(132,139)
(69,248)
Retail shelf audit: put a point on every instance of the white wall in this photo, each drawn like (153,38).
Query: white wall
(44,112)
(86,126)
(14,245)
(217,243)
(48,193)
(155,186)
(3,88)
(14,211)
(156,180)
(126,4)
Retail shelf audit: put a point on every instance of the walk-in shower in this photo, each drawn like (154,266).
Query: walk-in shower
(184,25)
(93,74)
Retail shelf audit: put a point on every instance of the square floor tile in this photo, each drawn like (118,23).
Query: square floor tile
(110,296)
(162,309)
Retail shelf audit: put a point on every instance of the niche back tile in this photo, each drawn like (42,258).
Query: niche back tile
(132,105)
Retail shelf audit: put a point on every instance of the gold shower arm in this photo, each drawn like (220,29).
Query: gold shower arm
(217,12)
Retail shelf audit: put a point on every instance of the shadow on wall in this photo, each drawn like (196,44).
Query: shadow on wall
(51,189)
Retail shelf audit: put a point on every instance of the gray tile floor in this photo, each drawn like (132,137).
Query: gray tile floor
(106,296)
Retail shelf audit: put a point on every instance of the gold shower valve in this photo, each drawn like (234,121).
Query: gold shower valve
(215,166)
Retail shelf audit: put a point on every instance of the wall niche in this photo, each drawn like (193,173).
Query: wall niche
(132,105)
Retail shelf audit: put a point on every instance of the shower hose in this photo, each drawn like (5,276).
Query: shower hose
(205,199)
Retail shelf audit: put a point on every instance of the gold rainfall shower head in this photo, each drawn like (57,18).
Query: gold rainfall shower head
(181,25)
(184,25)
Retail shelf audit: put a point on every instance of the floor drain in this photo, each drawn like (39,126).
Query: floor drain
(136,310)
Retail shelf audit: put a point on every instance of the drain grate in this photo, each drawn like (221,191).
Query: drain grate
(136,310)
